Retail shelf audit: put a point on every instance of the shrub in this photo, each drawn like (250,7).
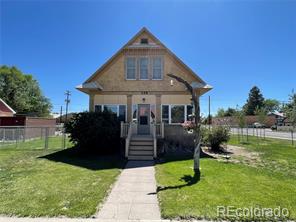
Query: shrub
(97,132)
(216,136)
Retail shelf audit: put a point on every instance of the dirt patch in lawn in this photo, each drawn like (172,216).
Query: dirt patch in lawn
(235,154)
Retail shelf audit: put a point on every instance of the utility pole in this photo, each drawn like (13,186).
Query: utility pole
(67,100)
(61,113)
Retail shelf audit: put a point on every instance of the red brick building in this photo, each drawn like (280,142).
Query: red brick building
(5,110)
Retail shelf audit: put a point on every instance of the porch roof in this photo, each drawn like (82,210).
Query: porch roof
(201,87)
(89,86)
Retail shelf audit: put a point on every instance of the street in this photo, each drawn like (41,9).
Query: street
(268,133)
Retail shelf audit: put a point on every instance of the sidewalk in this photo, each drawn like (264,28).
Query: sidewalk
(133,196)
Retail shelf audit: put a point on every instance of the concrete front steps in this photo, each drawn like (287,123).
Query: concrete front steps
(141,148)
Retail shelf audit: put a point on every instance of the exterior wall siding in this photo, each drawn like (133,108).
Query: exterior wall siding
(113,78)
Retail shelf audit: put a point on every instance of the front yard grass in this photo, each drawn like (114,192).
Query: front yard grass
(53,183)
(276,154)
(224,183)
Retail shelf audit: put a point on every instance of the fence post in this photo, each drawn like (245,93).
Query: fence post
(292,137)
(64,138)
(247,133)
(16,136)
(24,133)
(46,138)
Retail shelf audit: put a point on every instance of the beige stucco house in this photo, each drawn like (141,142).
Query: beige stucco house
(134,84)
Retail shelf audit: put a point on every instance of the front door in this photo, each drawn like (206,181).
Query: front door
(144,119)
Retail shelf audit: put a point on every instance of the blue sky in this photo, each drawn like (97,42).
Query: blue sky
(232,45)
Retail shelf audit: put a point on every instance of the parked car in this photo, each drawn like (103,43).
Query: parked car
(258,125)
(273,127)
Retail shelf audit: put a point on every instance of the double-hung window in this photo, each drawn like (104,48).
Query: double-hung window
(157,68)
(165,113)
(118,110)
(111,108)
(173,114)
(98,108)
(177,113)
(190,112)
(143,67)
(131,68)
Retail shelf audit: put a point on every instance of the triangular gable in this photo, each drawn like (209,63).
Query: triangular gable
(4,107)
(144,33)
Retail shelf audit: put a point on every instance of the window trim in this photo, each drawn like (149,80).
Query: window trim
(139,66)
(117,108)
(161,67)
(170,112)
(185,111)
(169,117)
(136,71)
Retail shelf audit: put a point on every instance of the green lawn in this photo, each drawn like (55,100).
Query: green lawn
(53,182)
(276,155)
(182,195)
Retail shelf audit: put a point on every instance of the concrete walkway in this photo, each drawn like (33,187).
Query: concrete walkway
(133,196)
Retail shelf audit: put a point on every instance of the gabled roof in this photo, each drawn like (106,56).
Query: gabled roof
(4,107)
(146,31)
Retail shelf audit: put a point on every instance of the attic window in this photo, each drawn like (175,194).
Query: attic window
(144,41)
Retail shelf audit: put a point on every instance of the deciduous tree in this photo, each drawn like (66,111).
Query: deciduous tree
(22,92)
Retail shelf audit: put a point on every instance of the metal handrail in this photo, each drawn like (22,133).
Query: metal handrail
(154,140)
(127,140)
(160,130)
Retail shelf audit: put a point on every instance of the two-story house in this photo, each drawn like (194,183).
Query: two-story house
(134,84)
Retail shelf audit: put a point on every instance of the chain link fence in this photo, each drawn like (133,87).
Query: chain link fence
(31,137)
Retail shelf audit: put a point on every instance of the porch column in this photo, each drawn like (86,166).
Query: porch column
(91,103)
(129,108)
(158,108)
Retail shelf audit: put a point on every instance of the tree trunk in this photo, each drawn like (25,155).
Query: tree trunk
(195,101)
(196,156)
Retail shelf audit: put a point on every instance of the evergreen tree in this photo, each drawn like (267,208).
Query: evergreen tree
(255,101)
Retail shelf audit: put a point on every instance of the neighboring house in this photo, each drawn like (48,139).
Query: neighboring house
(279,118)
(134,84)
(5,110)
(24,128)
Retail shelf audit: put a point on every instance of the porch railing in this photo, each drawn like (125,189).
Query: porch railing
(124,127)
(153,126)
(127,139)
(159,128)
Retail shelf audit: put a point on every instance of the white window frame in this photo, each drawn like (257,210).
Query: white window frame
(161,67)
(136,71)
(185,111)
(170,112)
(117,108)
(139,66)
